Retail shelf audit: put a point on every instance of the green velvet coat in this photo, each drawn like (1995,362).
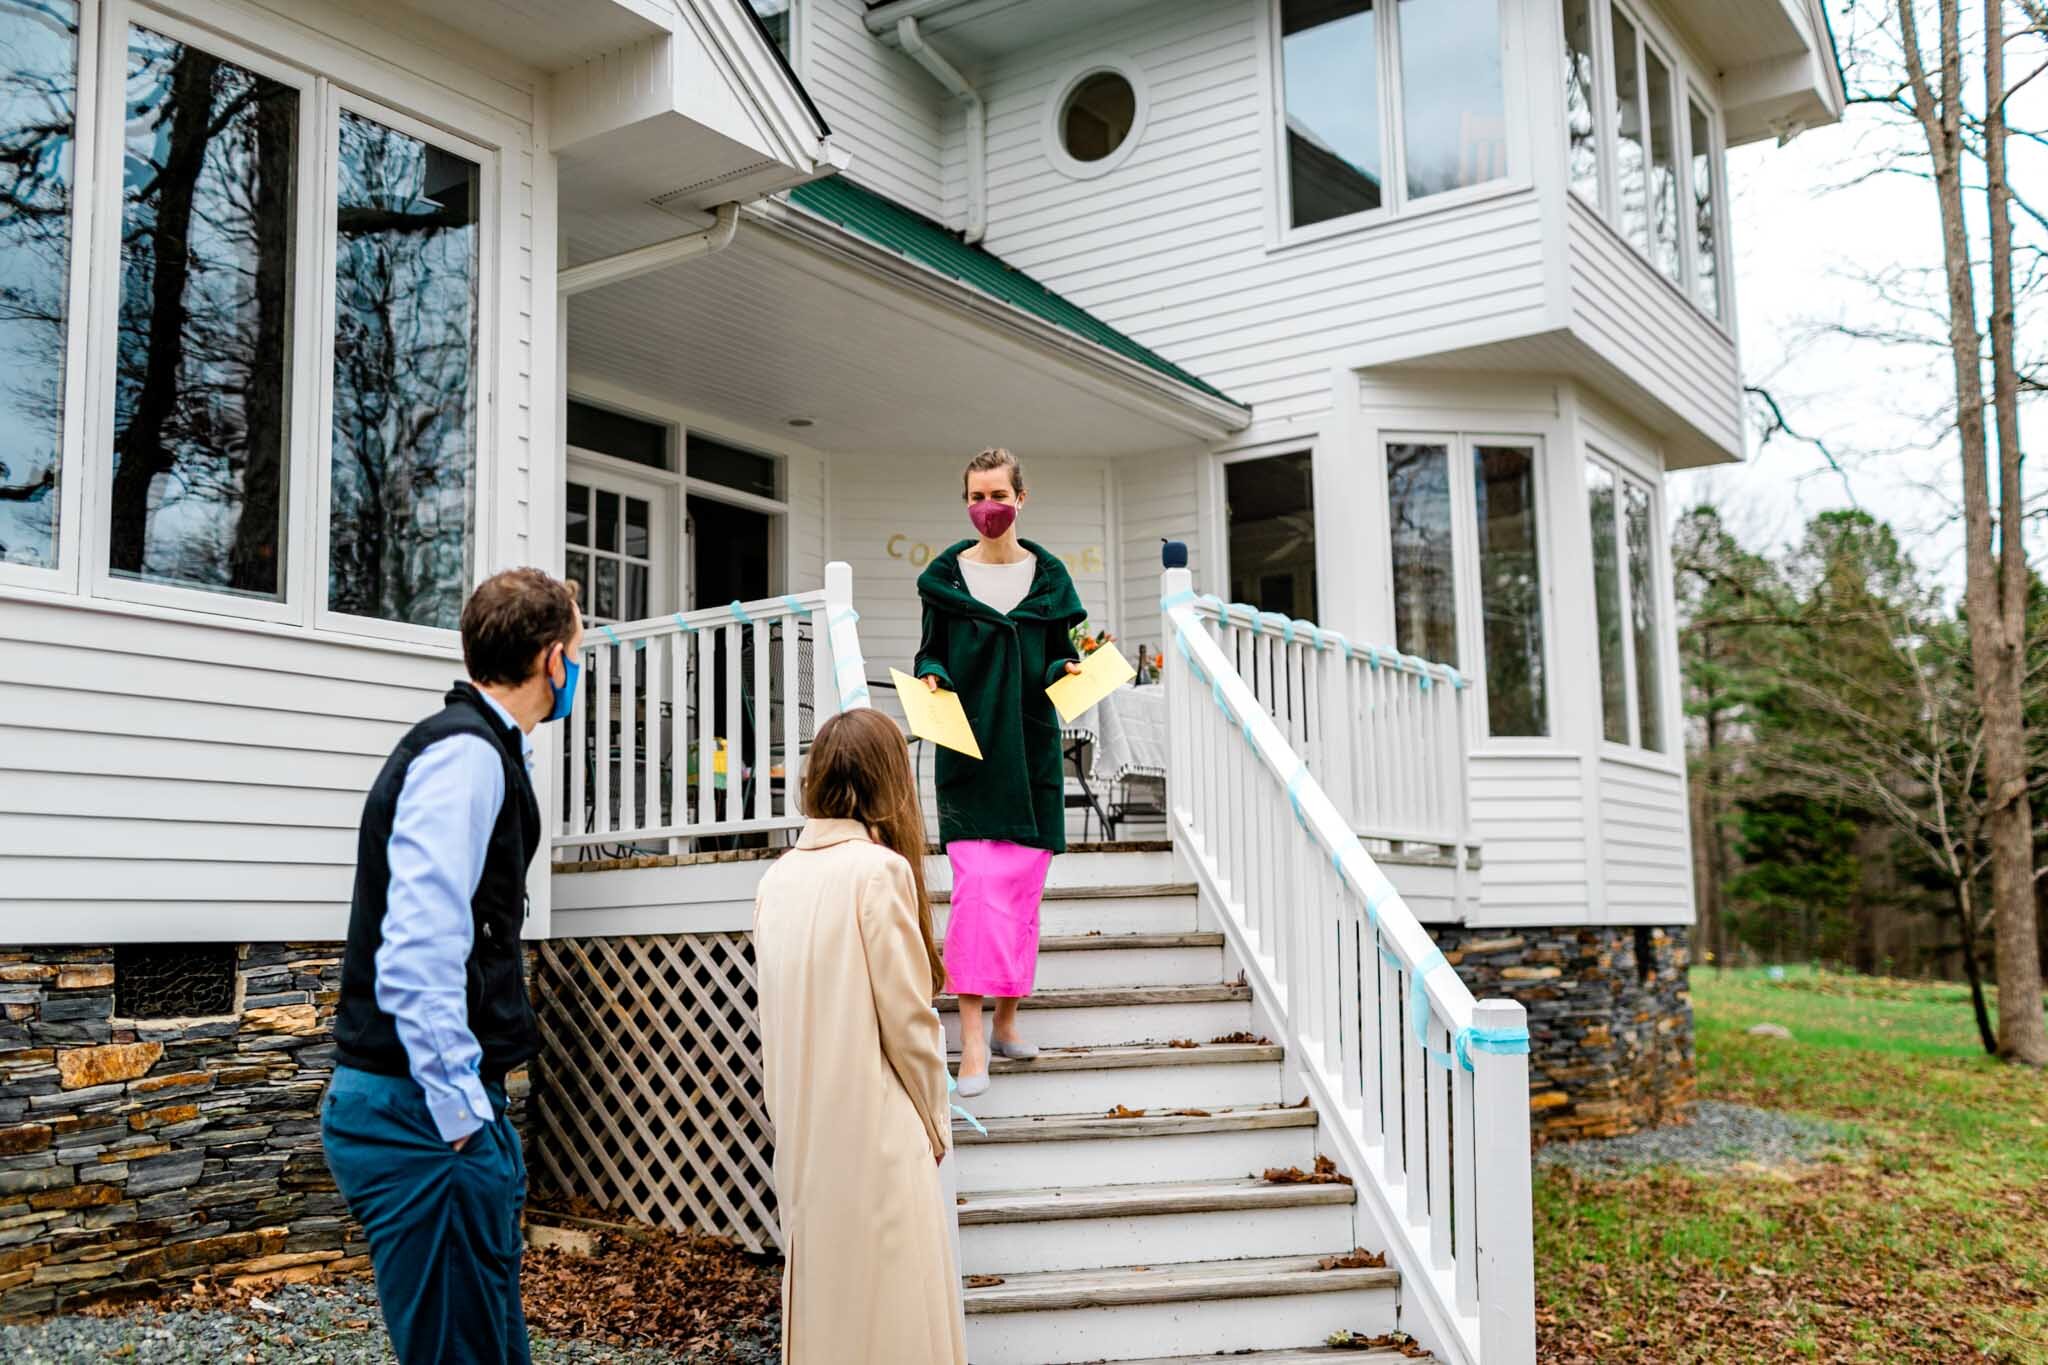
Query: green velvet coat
(1001,665)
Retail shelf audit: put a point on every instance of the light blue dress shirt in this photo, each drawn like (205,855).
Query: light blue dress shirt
(440,832)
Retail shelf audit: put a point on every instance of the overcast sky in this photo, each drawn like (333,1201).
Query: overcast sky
(1799,243)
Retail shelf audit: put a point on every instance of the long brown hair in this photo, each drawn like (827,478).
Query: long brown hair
(859,769)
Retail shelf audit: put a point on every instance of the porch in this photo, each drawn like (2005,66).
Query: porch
(650,1082)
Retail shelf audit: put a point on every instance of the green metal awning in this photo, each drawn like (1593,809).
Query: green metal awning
(887,224)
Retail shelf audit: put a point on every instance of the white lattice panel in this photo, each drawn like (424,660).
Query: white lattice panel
(650,1094)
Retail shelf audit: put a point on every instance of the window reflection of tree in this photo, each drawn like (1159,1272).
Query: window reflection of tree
(404,377)
(1510,589)
(38,97)
(1419,497)
(203,352)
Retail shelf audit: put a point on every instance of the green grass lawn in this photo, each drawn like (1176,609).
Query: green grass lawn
(1924,1238)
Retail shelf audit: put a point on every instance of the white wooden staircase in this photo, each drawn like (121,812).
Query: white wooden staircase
(1115,1210)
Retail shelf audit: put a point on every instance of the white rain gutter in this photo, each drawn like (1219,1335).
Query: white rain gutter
(945,73)
(596,274)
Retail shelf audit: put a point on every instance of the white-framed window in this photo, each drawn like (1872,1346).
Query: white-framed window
(1096,117)
(1387,106)
(1643,146)
(1623,513)
(1466,550)
(287,285)
(47,100)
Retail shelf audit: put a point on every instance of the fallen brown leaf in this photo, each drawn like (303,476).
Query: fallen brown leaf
(1242,1037)
(1120,1112)
(1325,1173)
(1183,1043)
(1358,1259)
(1191,1113)
(983,1281)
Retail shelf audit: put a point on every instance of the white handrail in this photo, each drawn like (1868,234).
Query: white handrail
(1425,1089)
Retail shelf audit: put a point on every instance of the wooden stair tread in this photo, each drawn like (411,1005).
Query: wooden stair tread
(1159,1123)
(1079,943)
(1128,1056)
(1143,1201)
(1151,891)
(1189,1282)
(1120,997)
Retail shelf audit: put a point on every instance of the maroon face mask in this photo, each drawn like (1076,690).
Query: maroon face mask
(992,518)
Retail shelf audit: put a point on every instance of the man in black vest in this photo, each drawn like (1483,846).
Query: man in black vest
(434,1009)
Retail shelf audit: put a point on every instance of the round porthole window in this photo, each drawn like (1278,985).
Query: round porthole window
(1097,118)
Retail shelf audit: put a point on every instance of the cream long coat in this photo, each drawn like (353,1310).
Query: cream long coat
(856,1072)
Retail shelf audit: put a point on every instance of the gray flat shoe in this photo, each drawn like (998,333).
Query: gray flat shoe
(1016,1052)
(971,1083)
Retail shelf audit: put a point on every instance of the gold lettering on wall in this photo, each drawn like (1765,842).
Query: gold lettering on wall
(1085,561)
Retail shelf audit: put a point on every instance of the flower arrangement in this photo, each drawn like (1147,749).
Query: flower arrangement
(1089,641)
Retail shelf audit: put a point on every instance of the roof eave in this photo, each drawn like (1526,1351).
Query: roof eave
(1197,413)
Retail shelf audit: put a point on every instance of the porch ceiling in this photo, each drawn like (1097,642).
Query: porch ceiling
(795,320)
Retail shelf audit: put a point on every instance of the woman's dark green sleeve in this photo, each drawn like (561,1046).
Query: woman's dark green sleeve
(1060,650)
(932,652)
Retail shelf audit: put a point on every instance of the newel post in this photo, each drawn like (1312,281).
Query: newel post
(849,668)
(1173,677)
(1500,1150)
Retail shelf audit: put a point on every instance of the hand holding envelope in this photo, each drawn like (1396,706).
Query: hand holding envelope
(935,716)
(1102,673)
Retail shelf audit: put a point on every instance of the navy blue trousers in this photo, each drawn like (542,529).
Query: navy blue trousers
(443,1225)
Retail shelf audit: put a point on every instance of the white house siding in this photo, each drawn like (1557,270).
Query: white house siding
(173,774)
(1529,814)
(175,779)
(883,108)
(1157,498)
(1172,246)
(1638,322)
(1645,846)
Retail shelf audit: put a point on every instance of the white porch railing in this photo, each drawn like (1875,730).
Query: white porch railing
(1383,731)
(1424,1091)
(694,726)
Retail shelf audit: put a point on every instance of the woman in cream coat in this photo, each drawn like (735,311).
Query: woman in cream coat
(856,1065)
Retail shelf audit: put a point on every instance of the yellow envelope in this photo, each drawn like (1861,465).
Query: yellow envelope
(936,716)
(1102,673)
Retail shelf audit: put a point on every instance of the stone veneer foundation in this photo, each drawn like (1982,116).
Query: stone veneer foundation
(1610,1020)
(139,1156)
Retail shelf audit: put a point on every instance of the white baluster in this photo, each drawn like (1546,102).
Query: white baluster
(629,708)
(602,702)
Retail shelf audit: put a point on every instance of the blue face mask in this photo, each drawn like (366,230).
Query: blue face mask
(565,691)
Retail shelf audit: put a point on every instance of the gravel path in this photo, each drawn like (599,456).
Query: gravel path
(1719,1137)
(333,1324)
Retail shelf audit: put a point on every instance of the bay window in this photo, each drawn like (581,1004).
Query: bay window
(1388,104)
(1621,511)
(274,248)
(196,496)
(1641,146)
(38,166)
(1464,548)
(406,282)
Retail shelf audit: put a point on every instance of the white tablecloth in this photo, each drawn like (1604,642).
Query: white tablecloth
(1130,733)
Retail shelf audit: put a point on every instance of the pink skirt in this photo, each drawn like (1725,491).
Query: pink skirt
(992,932)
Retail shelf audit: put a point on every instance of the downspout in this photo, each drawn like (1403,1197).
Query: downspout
(639,261)
(945,73)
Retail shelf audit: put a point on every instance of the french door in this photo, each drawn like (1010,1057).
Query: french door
(619,538)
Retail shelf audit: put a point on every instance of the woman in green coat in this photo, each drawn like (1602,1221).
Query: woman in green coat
(999,614)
